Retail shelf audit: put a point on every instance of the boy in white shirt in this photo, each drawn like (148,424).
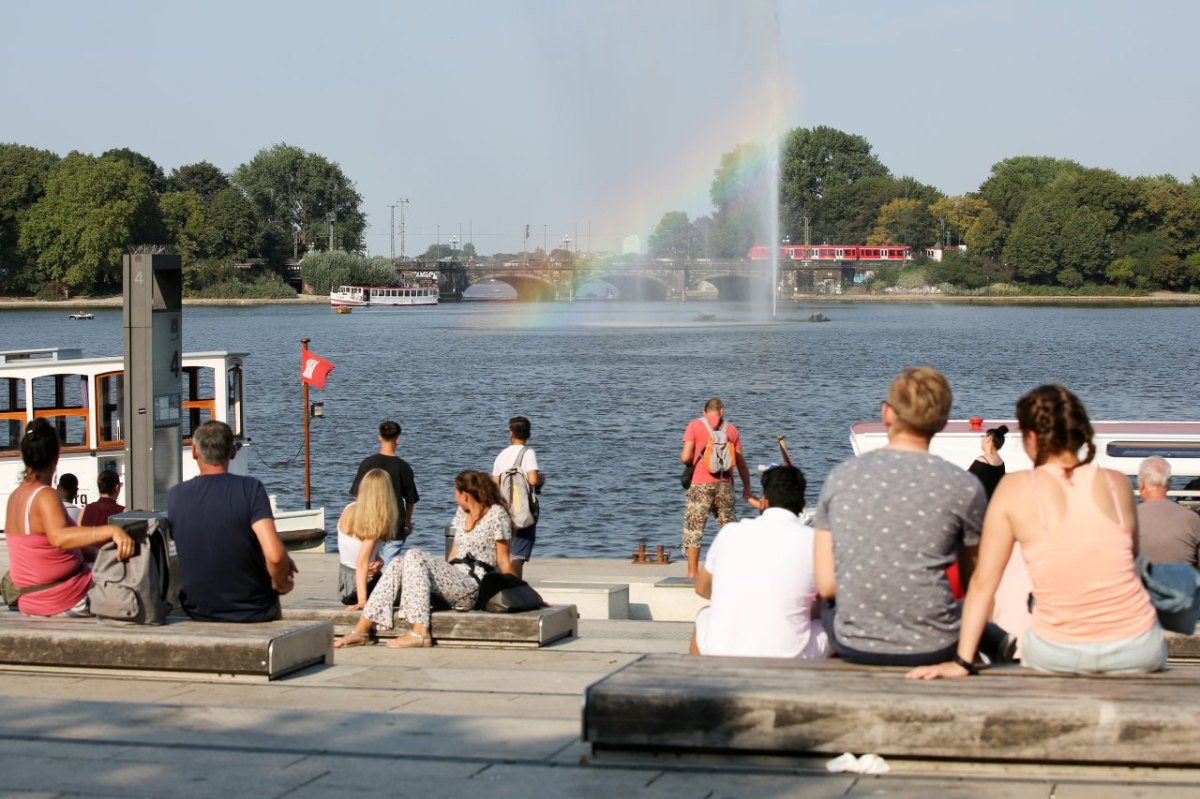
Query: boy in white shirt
(523,538)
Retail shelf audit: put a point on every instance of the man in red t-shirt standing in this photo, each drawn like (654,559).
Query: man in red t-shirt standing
(709,493)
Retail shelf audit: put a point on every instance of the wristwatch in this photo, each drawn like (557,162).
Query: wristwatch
(971,668)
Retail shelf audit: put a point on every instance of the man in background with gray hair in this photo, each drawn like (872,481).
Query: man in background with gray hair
(1167,532)
(234,565)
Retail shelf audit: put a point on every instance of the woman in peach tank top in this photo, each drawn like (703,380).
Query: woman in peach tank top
(1077,528)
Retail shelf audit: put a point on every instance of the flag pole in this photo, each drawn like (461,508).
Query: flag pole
(307,460)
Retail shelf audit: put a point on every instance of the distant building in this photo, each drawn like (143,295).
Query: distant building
(631,245)
(936,253)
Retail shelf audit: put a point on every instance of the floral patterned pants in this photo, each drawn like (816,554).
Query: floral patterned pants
(416,577)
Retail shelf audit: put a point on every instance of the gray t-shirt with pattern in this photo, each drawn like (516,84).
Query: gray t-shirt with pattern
(896,519)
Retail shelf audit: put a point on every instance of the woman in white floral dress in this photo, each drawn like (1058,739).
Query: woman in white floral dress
(482,532)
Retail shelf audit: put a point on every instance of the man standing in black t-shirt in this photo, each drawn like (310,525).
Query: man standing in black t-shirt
(403,485)
(234,565)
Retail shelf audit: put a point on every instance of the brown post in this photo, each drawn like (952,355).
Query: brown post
(307,483)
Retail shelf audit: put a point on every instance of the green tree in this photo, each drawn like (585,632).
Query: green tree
(739,192)
(1085,247)
(324,271)
(436,252)
(905,222)
(186,223)
(233,227)
(987,235)
(23,175)
(1014,182)
(1033,246)
(143,164)
(671,238)
(1146,250)
(958,269)
(814,163)
(94,209)
(201,177)
(296,194)
(1122,272)
(959,213)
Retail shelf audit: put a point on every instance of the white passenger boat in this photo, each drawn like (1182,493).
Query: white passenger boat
(81,315)
(383,296)
(83,398)
(1120,445)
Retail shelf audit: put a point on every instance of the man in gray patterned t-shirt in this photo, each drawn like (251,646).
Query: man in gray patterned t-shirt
(888,524)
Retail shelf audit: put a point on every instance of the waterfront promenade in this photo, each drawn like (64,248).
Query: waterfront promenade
(443,722)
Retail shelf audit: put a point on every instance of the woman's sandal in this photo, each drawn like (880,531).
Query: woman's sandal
(411,640)
(354,639)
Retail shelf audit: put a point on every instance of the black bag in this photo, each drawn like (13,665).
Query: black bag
(685,479)
(506,593)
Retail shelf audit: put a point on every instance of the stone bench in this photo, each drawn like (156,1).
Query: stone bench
(530,629)
(591,600)
(753,706)
(268,650)
(1183,648)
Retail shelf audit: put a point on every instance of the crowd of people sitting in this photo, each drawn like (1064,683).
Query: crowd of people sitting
(1046,555)
(896,528)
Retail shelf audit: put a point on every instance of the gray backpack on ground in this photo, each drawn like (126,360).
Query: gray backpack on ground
(134,591)
(515,488)
(720,454)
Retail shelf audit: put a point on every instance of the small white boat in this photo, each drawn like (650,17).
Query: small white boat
(81,315)
(83,399)
(383,296)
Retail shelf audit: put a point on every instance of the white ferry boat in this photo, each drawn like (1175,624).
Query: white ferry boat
(83,398)
(383,296)
(1120,445)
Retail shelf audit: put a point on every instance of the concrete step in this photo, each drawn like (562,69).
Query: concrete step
(267,650)
(740,706)
(592,600)
(530,629)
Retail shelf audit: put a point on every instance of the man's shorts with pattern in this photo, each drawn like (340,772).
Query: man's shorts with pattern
(703,499)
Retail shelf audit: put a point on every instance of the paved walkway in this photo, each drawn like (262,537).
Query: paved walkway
(431,723)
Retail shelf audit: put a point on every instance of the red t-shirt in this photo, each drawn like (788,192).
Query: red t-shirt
(697,433)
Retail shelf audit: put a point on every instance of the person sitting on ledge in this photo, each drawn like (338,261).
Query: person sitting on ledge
(1167,531)
(888,524)
(98,512)
(234,565)
(365,526)
(482,537)
(46,562)
(758,574)
(1077,528)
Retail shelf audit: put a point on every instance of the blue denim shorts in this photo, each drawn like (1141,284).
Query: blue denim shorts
(522,543)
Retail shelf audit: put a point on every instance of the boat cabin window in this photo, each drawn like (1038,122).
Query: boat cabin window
(199,403)
(62,400)
(12,413)
(110,405)
(1144,449)
(233,379)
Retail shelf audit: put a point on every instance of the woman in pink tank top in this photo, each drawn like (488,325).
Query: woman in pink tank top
(46,561)
(1077,529)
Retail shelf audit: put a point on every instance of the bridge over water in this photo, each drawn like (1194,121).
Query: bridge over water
(646,280)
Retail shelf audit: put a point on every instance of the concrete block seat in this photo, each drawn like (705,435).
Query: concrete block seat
(752,706)
(591,600)
(531,629)
(268,650)
(1183,648)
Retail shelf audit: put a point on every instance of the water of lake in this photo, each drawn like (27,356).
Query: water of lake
(610,387)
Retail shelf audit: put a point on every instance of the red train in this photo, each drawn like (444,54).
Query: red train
(834,252)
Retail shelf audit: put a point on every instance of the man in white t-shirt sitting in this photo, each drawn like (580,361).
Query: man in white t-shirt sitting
(759,576)
(523,538)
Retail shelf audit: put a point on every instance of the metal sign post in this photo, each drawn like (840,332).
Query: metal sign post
(153,327)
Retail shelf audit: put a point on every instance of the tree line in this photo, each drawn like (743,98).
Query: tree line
(1035,220)
(66,221)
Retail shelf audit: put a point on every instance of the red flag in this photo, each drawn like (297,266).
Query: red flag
(314,369)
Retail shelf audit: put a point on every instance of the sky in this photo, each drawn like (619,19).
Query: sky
(590,119)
